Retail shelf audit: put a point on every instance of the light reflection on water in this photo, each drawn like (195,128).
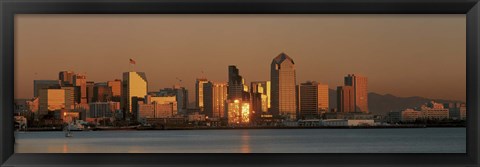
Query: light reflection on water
(421,140)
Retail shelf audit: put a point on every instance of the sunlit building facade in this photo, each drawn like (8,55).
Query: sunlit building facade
(51,100)
(312,99)
(81,82)
(360,86)
(214,97)
(134,85)
(283,93)
(345,99)
(238,112)
(115,87)
(170,100)
(263,88)
(199,93)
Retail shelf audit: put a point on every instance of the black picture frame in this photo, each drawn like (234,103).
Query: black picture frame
(9,8)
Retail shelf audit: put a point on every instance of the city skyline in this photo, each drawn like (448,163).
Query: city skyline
(254,64)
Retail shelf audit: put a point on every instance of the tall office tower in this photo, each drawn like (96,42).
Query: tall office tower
(359,84)
(51,100)
(69,97)
(81,82)
(182,99)
(134,85)
(199,93)
(214,96)
(101,92)
(345,99)
(260,91)
(66,78)
(283,93)
(235,84)
(44,84)
(312,100)
(116,87)
(90,85)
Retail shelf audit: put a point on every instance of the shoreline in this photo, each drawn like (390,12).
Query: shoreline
(242,128)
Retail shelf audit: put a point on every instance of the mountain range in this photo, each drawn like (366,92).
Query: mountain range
(382,104)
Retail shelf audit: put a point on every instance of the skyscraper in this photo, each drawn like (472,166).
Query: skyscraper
(182,99)
(260,96)
(359,84)
(199,93)
(312,99)
(214,96)
(90,85)
(81,82)
(235,84)
(66,77)
(134,85)
(69,97)
(345,99)
(283,87)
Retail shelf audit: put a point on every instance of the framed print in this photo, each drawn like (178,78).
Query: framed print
(239,83)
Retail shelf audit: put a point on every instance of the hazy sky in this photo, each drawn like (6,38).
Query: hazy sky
(404,55)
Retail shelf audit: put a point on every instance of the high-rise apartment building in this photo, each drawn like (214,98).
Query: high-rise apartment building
(345,99)
(360,86)
(283,93)
(81,82)
(199,93)
(214,96)
(312,99)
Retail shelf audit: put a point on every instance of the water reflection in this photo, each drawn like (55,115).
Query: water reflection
(245,147)
(65,148)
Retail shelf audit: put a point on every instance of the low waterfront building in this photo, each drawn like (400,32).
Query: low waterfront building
(345,122)
(435,111)
(347,115)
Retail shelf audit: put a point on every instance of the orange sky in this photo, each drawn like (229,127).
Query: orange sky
(405,55)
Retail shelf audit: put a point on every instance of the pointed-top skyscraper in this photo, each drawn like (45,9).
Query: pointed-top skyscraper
(283,80)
